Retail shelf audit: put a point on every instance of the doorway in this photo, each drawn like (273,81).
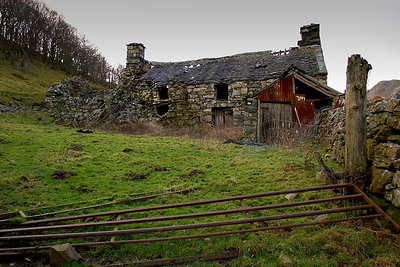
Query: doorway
(223,117)
(273,119)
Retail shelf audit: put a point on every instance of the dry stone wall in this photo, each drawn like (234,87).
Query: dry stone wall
(383,144)
(72,100)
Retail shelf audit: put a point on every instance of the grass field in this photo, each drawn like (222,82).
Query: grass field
(32,148)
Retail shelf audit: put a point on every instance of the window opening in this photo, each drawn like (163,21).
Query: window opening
(161,110)
(222,91)
(163,92)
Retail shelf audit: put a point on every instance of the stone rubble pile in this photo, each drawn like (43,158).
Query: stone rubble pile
(8,109)
(383,144)
(73,101)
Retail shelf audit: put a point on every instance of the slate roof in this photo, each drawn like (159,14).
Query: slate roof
(254,66)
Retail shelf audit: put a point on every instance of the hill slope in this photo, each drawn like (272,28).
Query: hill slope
(26,88)
(384,89)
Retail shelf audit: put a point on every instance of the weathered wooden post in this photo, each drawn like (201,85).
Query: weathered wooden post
(356,113)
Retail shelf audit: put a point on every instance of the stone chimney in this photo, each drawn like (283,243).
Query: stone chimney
(135,57)
(309,35)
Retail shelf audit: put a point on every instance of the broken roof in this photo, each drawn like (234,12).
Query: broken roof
(254,66)
(306,79)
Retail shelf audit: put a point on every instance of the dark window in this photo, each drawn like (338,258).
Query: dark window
(163,92)
(222,91)
(161,110)
(320,100)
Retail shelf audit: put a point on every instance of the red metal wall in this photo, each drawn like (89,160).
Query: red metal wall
(280,91)
(305,109)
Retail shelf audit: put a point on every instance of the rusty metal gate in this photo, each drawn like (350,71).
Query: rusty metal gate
(38,234)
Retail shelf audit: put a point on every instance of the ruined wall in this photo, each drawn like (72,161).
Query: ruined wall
(195,104)
(383,144)
(72,100)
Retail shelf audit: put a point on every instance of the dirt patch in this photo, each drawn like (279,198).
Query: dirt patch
(158,168)
(4,141)
(127,150)
(288,167)
(83,189)
(63,174)
(76,147)
(191,174)
(136,176)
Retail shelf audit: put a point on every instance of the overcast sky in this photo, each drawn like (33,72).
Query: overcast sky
(178,30)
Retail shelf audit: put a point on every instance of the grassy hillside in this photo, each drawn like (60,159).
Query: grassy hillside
(32,147)
(28,88)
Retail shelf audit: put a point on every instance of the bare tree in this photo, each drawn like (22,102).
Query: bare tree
(30,30)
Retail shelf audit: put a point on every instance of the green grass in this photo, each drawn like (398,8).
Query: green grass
(32,147)
(28,88)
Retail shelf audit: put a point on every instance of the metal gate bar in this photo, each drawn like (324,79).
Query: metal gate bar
(388,219)
(13,213)
(178,205)
(8,236)
(126,201)
(173,261)
(243,231)
(181,227)
(181,216)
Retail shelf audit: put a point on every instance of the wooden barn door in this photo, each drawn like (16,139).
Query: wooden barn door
(223,117)
(273,119)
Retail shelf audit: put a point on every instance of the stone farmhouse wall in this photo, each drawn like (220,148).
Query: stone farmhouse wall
(193,104)
(383,144)
(73,101)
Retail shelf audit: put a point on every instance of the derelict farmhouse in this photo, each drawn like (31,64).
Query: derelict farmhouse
(249,89)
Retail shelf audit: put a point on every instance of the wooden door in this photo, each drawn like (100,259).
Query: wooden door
(273,118)
(223,117)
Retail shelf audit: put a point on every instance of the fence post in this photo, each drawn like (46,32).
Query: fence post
(356,113)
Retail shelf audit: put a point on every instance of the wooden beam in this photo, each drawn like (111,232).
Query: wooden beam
(244,206)
(356,119)
(22,213)
(115,228)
